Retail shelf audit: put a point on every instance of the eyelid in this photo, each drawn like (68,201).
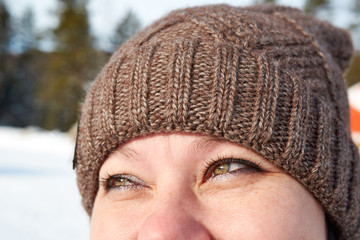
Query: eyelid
(210,165)
(136,182)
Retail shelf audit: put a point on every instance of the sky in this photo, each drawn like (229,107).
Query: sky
(105,14)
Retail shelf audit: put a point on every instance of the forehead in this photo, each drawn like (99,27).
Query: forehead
(166,144)
(180,148)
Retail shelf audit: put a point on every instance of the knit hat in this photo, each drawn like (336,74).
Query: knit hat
(266,77)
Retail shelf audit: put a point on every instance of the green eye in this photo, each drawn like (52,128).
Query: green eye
(118,182)
(230,166)
(121,181)
(221,169)
(227,167)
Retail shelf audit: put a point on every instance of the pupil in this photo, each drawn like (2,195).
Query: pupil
(223,168)
(118,182)
(121,182)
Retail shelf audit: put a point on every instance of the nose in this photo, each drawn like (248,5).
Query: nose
(173,222)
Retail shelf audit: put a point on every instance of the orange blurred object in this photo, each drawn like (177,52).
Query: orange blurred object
(354,102)
(354,119)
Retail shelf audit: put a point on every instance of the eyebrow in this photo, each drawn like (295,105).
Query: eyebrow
(205,143)
(127,152)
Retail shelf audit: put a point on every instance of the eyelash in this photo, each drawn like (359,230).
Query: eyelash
(207,172)
(104,182)
(210,166)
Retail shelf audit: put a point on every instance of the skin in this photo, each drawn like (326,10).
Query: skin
(176,192)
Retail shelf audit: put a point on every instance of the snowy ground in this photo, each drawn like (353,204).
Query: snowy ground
(38,194)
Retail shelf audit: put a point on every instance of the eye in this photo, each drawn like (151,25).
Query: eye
(123,182)
(230,166)
(226,168)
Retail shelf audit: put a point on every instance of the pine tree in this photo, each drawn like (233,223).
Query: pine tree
(353,73)
(355,21)
(5,28)
(314,6)
(127,27)
(5,34)
(17,77)
(71,65)
(265,1)
(25,35)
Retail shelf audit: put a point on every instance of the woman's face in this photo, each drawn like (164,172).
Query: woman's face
(193,187)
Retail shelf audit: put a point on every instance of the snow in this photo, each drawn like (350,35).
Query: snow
(39,197)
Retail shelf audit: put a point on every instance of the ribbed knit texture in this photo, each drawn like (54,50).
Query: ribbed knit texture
(266,77)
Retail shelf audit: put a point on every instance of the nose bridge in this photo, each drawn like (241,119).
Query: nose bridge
(174,216)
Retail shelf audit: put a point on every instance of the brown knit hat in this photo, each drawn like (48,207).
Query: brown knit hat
(266,77)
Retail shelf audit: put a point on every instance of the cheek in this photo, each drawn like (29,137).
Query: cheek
(275,209)
(112,221)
